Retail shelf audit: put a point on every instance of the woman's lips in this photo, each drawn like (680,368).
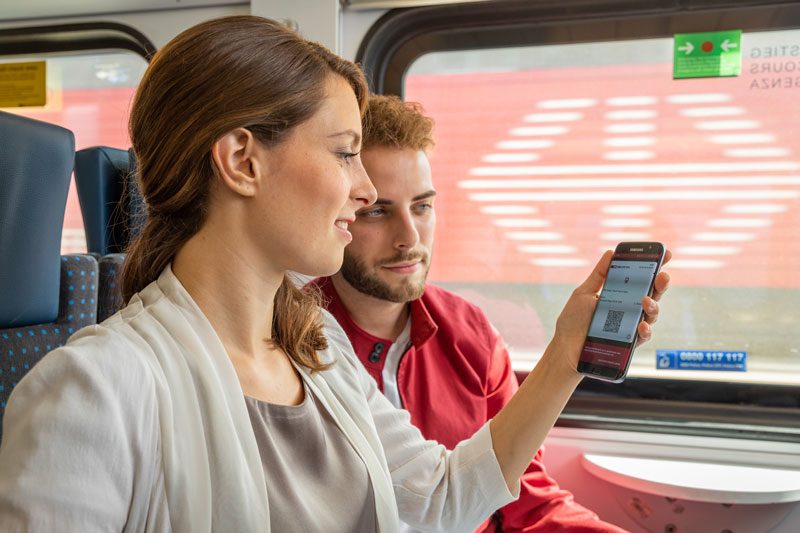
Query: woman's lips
(341,226)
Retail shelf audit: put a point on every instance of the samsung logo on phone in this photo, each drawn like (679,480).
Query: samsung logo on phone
(637,249)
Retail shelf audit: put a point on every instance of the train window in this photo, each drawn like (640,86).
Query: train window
(547,155)
(90,94)
(557,140)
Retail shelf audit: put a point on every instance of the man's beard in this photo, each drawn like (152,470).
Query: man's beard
(355,272)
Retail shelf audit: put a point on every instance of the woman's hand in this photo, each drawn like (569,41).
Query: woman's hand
(521,426)
(650,305)
(573,322)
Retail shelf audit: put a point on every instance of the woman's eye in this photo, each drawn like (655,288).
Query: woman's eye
(347,156)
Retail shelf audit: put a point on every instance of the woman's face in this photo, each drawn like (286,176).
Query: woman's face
(315,183)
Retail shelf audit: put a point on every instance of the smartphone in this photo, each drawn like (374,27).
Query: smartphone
(611,339)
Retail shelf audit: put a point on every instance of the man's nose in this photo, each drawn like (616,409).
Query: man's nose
(407,235)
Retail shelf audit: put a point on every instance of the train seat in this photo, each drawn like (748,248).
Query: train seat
(109,299)
(113,212)
(111,205)
(45,297)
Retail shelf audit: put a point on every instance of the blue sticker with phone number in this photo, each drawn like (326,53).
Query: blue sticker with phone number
(701,360)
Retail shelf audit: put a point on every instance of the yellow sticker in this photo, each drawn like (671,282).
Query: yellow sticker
(23,84)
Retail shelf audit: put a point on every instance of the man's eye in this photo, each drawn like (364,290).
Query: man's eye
(371,213)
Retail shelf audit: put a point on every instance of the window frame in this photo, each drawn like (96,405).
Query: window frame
(695,407)
(86,36)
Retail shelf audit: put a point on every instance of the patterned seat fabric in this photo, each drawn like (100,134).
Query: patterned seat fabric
(23,347)
(110,297)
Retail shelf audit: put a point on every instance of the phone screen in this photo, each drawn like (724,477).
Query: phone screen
(612,332)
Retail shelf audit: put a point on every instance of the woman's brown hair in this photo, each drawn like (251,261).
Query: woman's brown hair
(220,75)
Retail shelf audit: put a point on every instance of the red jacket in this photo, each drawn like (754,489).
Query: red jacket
(455,376)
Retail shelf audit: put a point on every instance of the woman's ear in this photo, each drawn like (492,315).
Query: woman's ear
(234,155)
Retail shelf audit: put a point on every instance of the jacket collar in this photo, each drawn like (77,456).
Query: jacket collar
(423,326)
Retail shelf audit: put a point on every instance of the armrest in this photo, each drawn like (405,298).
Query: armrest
(697,481)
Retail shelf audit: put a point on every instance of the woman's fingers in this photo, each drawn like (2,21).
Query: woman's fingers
(650,305)
(661,285)
(644,331)
(662,279)
(651,310)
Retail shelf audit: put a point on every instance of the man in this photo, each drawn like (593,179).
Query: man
(430,351)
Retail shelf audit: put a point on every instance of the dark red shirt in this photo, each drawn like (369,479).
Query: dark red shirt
(455,376)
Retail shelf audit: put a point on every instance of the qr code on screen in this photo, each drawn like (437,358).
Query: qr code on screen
(613,321)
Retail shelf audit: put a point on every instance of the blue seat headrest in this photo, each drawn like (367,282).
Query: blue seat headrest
(110,201)
(36,161)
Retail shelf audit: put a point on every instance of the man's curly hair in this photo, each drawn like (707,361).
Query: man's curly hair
(391,122)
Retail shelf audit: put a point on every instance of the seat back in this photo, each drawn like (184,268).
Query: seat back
(110,201)
(45,297)
(113,213)
(22,347)
(36,161)
(110,297)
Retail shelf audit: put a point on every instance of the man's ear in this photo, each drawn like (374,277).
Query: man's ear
(234,155)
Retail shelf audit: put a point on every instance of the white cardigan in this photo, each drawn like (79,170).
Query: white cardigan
(140,424)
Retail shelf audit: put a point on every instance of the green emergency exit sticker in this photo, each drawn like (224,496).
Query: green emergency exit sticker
(707,55)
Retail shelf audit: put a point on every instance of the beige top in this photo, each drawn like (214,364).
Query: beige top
(315,479)
(139,424)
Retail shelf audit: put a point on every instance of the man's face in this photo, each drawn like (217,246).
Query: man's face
(390,255)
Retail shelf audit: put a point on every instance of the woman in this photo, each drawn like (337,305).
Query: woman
(219,398)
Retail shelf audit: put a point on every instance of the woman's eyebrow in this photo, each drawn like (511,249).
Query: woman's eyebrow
(356,137)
